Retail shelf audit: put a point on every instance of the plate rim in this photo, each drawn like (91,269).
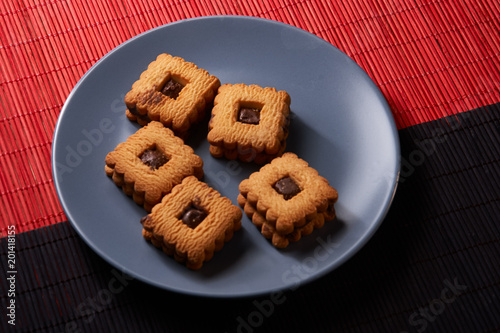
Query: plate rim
(355,248)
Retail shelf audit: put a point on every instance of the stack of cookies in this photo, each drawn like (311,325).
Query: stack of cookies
(286,199)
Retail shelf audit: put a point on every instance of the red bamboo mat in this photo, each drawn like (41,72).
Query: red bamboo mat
(430,59)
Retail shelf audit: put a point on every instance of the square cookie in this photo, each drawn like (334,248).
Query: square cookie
(172,91)
(192,222)
(249,123)
(287,199)
(150,163)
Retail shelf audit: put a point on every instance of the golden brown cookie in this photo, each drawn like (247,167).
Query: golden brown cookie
(269,231)
(192,222)
(285,196)
(172,91)
(150,163)
(249,123)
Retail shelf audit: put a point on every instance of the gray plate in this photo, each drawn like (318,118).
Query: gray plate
(341,125)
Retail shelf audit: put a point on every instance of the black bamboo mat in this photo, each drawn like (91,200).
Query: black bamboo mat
(433,266)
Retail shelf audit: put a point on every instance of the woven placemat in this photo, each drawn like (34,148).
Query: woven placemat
(429,58)
(433,266)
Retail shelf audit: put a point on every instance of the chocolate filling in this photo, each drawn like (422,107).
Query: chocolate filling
(193,216)
(287,187)
(331,209)
(153,158)
(249,116)
(172,89)
(134,111)
(145,219)
(285,127)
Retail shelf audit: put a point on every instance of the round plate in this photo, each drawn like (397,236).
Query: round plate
(341,125)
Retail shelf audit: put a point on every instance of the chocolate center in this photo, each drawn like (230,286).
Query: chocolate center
(249,116)
(287,187)
(153,158)
(331,209)
(193,216)
(172,89)
(144,117)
